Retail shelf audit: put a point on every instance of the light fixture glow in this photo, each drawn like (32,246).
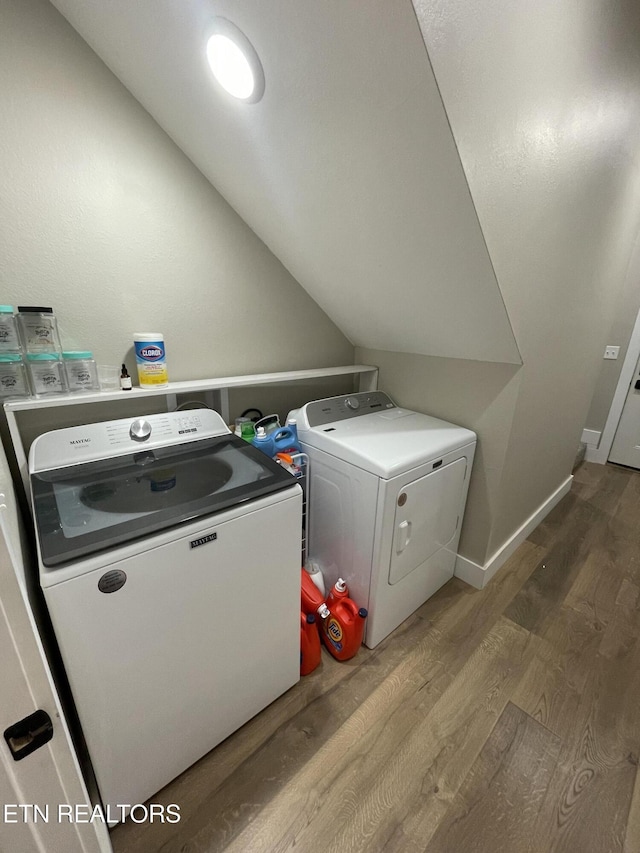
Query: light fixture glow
(234,62)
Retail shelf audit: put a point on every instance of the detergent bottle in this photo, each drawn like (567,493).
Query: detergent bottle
(342,632)
(286,439)
(264,441)
(309,643)
(337,592)
(312,600)
(315,573)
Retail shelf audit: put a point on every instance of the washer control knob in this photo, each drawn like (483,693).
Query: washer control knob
(140,430)
(352,403)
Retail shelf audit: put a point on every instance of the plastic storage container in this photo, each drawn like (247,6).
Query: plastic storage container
(9,341)
(81,371)
(13,376)
(151,359)
(109,377)
(38,329)
(46,372)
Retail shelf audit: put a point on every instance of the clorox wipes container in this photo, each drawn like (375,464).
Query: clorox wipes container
(151,359)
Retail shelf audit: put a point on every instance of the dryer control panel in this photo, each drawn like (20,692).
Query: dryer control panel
(320,412)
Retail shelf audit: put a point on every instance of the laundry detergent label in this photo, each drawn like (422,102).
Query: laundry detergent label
(333,632)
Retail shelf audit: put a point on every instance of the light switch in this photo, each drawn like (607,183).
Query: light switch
(611,352)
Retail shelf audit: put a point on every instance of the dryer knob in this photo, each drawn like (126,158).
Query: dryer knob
(352,403)
(140,430)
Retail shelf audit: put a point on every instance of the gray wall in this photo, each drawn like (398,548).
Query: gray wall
(476,394)
(346,168)
(545,108)
(619,334)
(104,218)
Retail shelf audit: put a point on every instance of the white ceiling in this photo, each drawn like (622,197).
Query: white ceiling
(346,168)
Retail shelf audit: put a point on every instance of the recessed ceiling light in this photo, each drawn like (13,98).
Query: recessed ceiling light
(234,62)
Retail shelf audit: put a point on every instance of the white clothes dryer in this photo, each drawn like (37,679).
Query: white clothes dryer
(387,494)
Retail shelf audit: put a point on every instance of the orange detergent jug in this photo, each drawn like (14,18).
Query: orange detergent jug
(309,643)
(337,592)
(311,599)
(342,632)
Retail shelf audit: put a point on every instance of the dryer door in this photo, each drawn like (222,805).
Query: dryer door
(426,518)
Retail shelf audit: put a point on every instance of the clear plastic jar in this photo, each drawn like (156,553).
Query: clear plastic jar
(47,374)
(38,329)
(13,376)
(9,341)
(80,368)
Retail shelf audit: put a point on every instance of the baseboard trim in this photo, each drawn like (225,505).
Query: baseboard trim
(479,576)
(595,454)
(470,572)
(591,437)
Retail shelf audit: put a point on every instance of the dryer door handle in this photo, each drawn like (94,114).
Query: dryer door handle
(404,536)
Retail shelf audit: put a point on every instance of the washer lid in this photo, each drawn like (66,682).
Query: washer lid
(84,508)
(387,443)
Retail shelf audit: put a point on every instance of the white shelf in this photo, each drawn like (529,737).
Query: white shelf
(217,388)
(368,377)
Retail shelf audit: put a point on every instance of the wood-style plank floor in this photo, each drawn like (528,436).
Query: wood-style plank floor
(505,720)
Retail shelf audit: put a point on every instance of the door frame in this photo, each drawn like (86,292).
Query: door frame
(601,453)
(52,774)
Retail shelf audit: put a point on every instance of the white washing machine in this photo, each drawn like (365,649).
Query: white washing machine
(169,558)
(387,494)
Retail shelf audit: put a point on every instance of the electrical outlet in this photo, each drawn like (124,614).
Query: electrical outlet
(611,352)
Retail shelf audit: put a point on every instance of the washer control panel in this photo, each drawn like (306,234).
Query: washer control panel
(321,412)
(140,429)
(63,447)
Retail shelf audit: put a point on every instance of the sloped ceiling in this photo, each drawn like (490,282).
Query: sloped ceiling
(346,168)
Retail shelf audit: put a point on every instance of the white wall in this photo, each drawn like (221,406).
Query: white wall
(619,334)
(104,218)
(478,395)
(346,168)
(544,104)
